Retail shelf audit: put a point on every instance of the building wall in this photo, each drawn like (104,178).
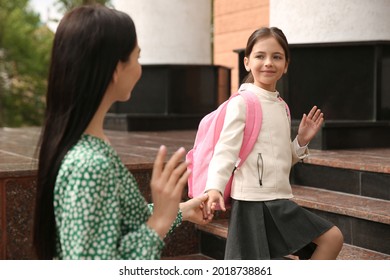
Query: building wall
(178,31)
(171,31)
(313,21)
(234,21)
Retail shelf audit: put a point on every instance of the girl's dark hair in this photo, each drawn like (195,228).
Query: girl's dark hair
(89,42)
(263,33)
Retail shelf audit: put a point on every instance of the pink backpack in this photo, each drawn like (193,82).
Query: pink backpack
(207,137)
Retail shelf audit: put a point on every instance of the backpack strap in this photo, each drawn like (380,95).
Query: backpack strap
(287,108)
(253,123)
(252,128)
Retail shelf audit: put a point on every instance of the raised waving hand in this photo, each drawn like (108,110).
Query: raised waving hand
(310,125)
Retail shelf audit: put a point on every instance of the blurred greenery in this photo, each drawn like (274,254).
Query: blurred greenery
(66,5)
(24,56)
(25,47)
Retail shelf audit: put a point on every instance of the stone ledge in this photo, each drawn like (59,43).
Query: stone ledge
(371,209)
(138,150)
(371,160)
(348,252)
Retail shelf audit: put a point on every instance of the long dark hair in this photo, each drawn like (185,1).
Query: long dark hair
(263,33)
(88,44)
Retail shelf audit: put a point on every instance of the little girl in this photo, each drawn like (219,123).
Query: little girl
(264,222)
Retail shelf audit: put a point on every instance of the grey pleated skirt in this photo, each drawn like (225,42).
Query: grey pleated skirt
(272,230)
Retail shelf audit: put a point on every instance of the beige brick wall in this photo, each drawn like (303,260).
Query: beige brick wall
(234,21)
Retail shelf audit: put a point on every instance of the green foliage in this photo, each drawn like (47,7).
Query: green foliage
(25,45)
(66,5)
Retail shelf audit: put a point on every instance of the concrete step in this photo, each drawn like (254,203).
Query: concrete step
(364,221)
(214,234)
(364,172)
(366,208)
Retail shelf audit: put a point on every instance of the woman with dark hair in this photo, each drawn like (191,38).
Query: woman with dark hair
(88,204)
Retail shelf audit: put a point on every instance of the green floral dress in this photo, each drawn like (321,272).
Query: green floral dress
(99,210)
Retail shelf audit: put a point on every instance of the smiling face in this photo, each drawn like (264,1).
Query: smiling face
(267,63)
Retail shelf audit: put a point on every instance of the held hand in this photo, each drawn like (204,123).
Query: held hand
(167,185)
(193,210)
(309,126)
(215,197)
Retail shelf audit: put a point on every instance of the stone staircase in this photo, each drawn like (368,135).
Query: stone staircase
(350,188)
(363,221)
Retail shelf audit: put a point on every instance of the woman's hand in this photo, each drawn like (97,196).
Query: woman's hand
(193,210)
(167,185)
(309,126)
